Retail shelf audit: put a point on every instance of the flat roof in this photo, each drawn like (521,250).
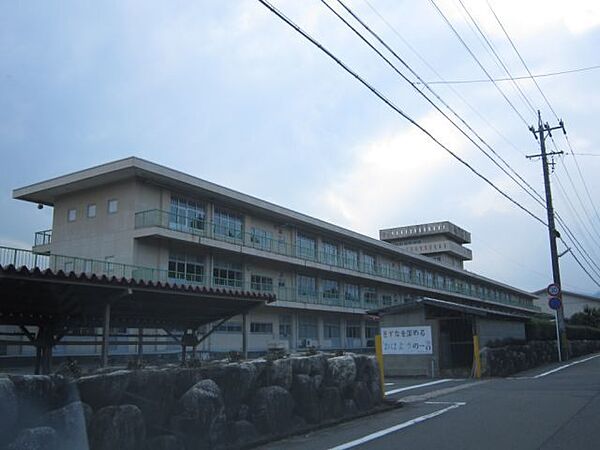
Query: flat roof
(46,193)
(486,311)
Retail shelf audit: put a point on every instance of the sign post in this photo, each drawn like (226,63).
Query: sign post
(379,354)
(555,303)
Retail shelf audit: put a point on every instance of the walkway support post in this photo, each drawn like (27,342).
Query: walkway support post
(245,336)
(476,356)
(105,335)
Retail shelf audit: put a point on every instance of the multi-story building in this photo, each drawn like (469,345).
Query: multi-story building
(138,219)
(442,241)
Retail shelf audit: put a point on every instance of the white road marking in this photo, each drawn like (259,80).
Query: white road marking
(408,388)
(389,384)
(564,367)
(398,427)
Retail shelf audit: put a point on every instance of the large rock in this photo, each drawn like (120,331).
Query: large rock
(117,427)
(241,433)
(341,371)
(332,403)
(362,396)
(201,415)
(306,396)
(37,394)
(237,382)
(309,365)
(154,392)
(164,442)
(279,373)
(272,409)
(9,409)
(69,422)
(40,438)
(104,389)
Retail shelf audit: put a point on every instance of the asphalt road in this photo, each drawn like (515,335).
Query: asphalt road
(536,410)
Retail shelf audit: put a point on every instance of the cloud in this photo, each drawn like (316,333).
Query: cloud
(392,171)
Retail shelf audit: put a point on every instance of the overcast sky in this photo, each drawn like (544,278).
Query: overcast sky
(225,91)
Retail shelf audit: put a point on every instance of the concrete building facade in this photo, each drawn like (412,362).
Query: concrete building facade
(137,219)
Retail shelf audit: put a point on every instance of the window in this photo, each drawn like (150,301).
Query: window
(229,327)
(353,330)
(386,269)
(350,258)
(369,263)
(332,330)
(227,274)
(91,211)
(260,283)
(307,286)
(68,266)
(261,239)
(331,289)
(228,224)
(370,296)
(186,267)
(261,327)
(305,246)
(72,215)
(285,326)
(186,214)
(386,300)
(329,253)
(307,328)
(113,206)
(371,331)
(351,293)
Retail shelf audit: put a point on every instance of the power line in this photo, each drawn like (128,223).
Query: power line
(442,80)
(581,265)
(457,34)
(521,58)
(489,44)
(521,77)
(376,36)
(392,105)
(587,191)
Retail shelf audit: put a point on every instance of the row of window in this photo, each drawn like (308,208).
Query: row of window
(112,207)
(307,328)
(191,214)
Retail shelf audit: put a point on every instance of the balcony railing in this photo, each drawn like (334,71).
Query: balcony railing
(89,266)
(43,237)
(204,228)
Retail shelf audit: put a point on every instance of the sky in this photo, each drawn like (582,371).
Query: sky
(227,92)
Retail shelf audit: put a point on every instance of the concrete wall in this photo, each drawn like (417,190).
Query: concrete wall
(412,365)
(491,330)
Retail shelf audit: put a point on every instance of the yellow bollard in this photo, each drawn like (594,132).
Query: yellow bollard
(379,354)
(476,356)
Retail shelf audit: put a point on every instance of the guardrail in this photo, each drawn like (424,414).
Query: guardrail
(255,240)
(43,237)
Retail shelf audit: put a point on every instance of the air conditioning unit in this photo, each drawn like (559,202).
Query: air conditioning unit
(278,345)
(307,343)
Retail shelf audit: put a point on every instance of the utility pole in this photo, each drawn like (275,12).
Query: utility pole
(541,133)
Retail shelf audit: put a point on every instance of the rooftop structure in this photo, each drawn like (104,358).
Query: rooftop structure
(442,241)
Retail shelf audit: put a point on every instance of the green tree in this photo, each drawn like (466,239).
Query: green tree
(589,317)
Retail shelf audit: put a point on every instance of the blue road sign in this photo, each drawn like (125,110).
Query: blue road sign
(553,290)
(554,303)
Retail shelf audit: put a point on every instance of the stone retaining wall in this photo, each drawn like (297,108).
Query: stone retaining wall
(222,405)
(511,359)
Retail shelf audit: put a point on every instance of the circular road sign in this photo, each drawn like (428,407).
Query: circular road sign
(554,303)
(553,290)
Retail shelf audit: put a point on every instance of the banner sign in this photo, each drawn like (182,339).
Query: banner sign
(407,340)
